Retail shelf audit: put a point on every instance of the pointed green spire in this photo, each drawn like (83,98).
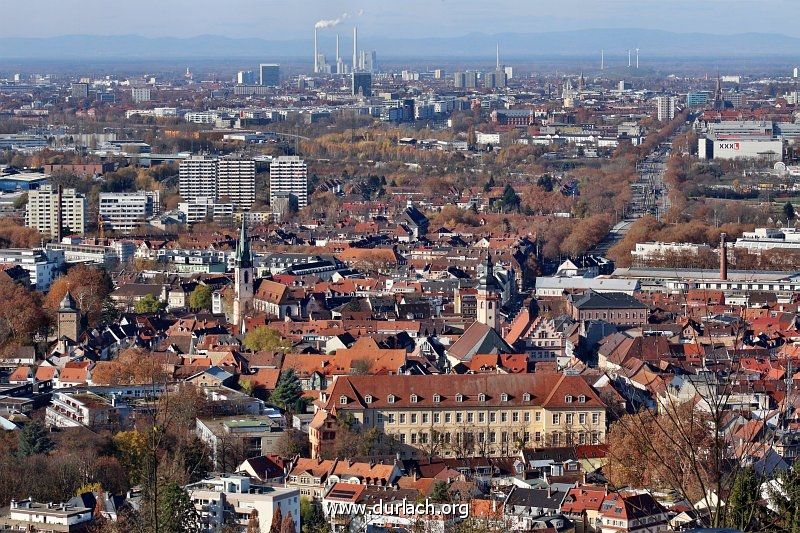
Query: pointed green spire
(244,259)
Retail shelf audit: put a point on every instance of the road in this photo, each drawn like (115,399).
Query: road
(650,196)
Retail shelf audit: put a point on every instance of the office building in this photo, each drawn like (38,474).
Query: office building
(140,94)
(459,80)
(43,211)
(80,91)
(361,84)
(197,176)
(665,105)
(289,174)
(236,182)
(246,77)
(470,80)
(42,266)
(696,98)
(269,74)
(126,212)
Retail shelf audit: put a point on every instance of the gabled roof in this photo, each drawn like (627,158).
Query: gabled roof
(606,300)
(478,338)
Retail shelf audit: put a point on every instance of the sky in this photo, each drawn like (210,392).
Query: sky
(294,19)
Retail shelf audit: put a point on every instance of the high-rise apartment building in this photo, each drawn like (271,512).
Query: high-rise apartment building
(80,91)
(666,107)
(269,74)
(126,212)
(361,84)
(140,94)
(43,213)
(197,176)
(245,77)
(289,174)
(236,182)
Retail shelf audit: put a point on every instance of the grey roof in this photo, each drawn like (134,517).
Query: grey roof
(606,300)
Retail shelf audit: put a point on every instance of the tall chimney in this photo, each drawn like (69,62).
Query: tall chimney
(723,258)
(316,56)
(355,49)
(337,54)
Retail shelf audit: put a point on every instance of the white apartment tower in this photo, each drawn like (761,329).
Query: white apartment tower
(43,213)
(236,181)
(666,107)
(289,174)
(197,177)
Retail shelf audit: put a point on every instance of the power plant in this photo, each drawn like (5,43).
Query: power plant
(361,62)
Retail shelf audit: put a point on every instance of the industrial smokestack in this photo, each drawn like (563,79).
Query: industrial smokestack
(316,56)
(723,258)
(602,59)
(355,49)
(59,214)
(337,48)
(497,66)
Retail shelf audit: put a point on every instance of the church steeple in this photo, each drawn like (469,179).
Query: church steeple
(243,259)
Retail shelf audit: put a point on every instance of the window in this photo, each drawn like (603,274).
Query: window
(414,398)
(435,418)
(413,418)
(481,417)
(413,438)
(402,418)
(568,398)
(379,418)
(367,399)
(527,436)
(390,418)
(391,398)
(492,437)
(526,416)
(458,418)
(503,417)
(538,416)
(470,417)
(515,416)
(402,438)
(343,399)
(595,418)
(423,438)
(526,397)
(459,397)
(447,418)
(582,418)
(492,417)
(504,397)
(481,397)
(581,399)
(504,436)
(556,418)
(424,418)
(437,398)
(538,436)
(570,418)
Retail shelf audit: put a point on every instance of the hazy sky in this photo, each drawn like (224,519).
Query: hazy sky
(287,19)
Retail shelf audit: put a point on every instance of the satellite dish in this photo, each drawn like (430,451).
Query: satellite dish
(780,166)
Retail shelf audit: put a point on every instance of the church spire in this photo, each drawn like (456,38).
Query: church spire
(244,259)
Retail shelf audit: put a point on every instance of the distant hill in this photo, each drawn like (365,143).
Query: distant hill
(579,43)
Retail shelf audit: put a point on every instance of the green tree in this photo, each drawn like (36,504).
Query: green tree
(743,500)
(33,440)
(263,338)
(510,199)
(176,512)
(788,211)
(288,392)
(200,298)
(149,304)
(440,492)
(312,520)
(785,497)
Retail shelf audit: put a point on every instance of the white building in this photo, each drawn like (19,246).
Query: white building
(125,212)
(555,286)
(665,105)
(42,266)
(289,174)
(769,238)
(649,250)
(236,182)
(28,515)
(234,498)
(74,250)
(140,94)
(197,176)
(204,207)
(42,211)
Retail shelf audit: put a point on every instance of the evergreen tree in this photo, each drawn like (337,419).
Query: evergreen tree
(287,524)
(785,497)
(176,513)
(788,211)
(253,525)
(33,440)
(741,508)
(440,492)
(288,391)
(510,199)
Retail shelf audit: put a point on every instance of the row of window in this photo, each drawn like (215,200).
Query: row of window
(491,437)
(437,398)
(469,417)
